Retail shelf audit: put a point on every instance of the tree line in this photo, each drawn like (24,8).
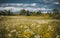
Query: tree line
(55,13)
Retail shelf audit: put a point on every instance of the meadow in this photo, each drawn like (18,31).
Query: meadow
(28,27)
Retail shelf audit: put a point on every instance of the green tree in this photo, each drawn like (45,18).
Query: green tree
(9,13)
(28,13)
(6,12)
(38,13)
(56,14)
(55,11)
(2,13)
(23,12)
(33,13)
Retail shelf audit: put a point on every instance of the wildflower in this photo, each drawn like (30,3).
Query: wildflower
(9,35)
(13,31)
(37,36)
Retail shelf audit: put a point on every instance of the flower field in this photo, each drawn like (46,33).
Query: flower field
(28,27)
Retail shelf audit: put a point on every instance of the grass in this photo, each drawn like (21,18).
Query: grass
(28,26)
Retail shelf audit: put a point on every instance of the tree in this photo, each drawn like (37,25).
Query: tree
(33,13)
(23,12)
(2,13)
(56,14)
(55,11)
(6,12)
(27,13)
(38,13)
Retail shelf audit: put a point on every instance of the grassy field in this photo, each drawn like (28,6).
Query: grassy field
(28,27)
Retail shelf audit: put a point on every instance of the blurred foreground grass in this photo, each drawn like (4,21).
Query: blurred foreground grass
(28,27)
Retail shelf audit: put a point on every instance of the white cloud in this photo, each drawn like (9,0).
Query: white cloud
(34,4)
(56,3)
(18,4)
(14,9)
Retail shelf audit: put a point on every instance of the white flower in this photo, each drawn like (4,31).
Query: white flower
(37,36)
(13,31)
(26,26)
(49,27)
(9,35)
(28,30)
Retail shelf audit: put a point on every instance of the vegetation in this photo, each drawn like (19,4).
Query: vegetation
(6,13)
(54,14)
(29,24)
(28,27)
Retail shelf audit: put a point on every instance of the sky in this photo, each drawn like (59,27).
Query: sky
(31,5)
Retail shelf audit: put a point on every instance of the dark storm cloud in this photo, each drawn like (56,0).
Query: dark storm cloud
(22,1)
(27,1)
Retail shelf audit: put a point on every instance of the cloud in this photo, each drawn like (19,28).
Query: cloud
(14,9)
(27,6)
(18,4)
(56,3)
(46,1)
(33,5)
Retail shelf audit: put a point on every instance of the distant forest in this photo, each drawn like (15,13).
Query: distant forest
(55,13)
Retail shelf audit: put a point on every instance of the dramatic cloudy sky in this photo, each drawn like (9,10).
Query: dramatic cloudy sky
(31,5)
